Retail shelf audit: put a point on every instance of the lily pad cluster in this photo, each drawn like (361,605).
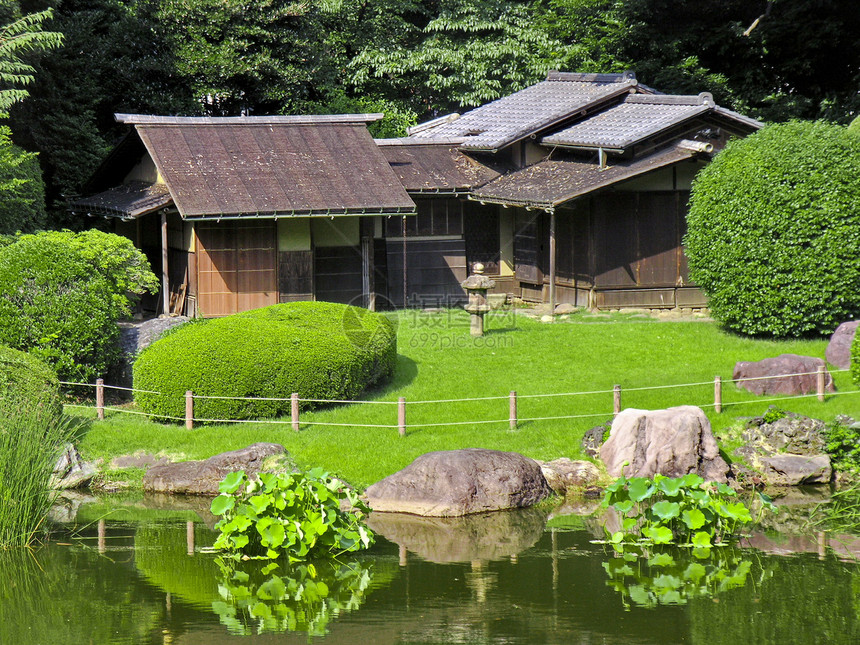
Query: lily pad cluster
(294,515)
(686,511)
(673,577)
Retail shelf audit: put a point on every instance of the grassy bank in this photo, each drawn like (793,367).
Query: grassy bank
(438,360)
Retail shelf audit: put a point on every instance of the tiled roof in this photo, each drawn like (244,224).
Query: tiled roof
(434,167)
(269,166)
(534,109)
(552,182)
(637,118)
(128,201)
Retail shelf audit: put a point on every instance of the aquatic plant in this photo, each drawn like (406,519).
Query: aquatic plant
(305,598)
(841,513)
(31,439)
(674,576)
(297,515)
(687,511)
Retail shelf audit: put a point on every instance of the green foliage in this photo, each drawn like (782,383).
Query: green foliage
(843,446)
(774,230)
(397,117)
(320,350)
(664,510)
(28,383)
(21,36)
(254,600)
(674,577)
(22,192)
(296,515)
(31,439)
(61,295)
(773,413)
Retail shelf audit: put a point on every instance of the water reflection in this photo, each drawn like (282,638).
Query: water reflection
(673,576)
(489,536)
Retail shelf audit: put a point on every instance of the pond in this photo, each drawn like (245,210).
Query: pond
(144,575)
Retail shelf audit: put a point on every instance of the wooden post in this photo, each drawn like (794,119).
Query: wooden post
(513,409)
(100,398)
(189,410)
(294,410)
(102,533)
(616,399)
(718,394)
(189,537)
(401,416)
(820,382)
(165,280)
(367,269)
(552,262)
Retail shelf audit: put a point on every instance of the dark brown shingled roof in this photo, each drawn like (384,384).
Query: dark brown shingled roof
(270,166)
(552,182)
(559,98)
(434,167)
(128,201)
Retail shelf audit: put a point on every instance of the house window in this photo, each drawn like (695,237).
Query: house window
(435,217)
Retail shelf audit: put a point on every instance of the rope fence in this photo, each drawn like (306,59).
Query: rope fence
(513,419)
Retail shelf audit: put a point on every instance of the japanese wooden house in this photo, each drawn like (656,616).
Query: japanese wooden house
(572,190)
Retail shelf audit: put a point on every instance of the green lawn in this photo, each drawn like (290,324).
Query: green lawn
(438,360)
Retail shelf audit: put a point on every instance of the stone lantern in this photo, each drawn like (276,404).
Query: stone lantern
(476,285)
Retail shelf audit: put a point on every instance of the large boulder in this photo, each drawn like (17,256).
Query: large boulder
(203,477)
(673,442)
(794,470)
(787,451)
(567,476)
(838,351)
(460,482)
(798,375)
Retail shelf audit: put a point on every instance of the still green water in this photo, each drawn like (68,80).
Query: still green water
(509,578)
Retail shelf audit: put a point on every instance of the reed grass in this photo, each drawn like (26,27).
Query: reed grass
(31,439)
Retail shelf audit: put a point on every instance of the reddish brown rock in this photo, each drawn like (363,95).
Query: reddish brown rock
(460,482)
(203,477)
(794,375)
(673,442)
(838,351)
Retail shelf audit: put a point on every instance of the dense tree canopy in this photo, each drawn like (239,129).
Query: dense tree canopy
(774,230)
(412,59)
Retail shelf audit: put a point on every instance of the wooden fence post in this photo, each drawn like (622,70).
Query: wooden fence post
(189,410)
(189,537)
(820,382)
(401,416)
(718,394)
(100,398)
(513,409)
(294,410)
(616,399)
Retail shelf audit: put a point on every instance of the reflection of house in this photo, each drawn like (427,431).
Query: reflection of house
(572,190)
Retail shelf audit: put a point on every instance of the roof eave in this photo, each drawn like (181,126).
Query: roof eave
(321,212)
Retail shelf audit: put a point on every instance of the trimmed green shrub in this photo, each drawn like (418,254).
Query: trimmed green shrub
(774,230)
(321,350)
(27,382)
(62,293)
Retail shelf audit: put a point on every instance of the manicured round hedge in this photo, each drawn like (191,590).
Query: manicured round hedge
(27,383)
(774,230)
(320,350)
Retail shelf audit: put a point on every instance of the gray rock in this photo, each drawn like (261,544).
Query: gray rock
(673,442)
(134,337)
(564,308)
(71,471)
(838,351)
(593,439)
(757,376)
(203,477)
(794,434)
(793,470)
(565,475)
(460,482)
